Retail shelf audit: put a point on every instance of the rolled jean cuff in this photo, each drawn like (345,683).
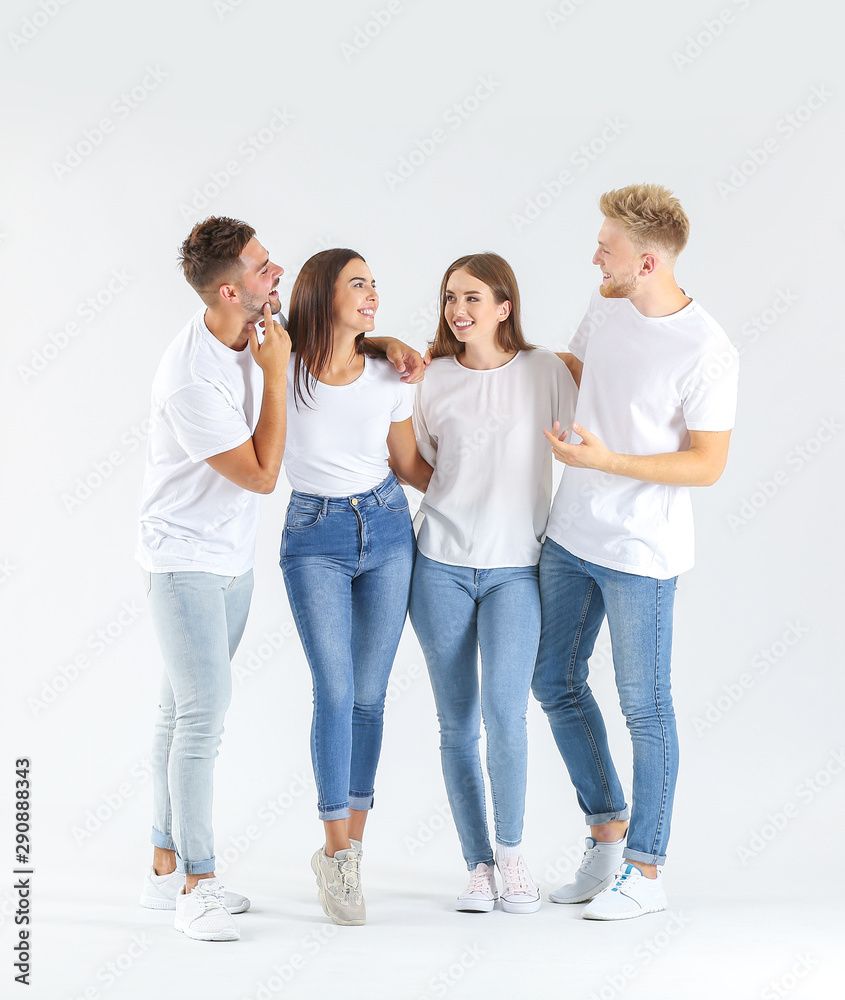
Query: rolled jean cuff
(162,840)
(645,859)
(361,800)
(490,862)
(194,867)
(332,812)
(609,817)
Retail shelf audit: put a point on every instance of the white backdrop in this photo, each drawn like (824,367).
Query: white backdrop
(416,132)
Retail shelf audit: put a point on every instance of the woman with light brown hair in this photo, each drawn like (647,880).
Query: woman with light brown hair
(479,417)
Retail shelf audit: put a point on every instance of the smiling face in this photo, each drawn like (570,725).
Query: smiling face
(355,299)
(620,261)
(259,281)
(471,309)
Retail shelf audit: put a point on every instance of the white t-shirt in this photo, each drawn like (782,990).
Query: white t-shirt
(337,442)
(488,501)
(647,382)
(205,400)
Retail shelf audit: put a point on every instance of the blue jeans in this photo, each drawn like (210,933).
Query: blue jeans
(455,611)
(347,566)
(575,596)
(199,619)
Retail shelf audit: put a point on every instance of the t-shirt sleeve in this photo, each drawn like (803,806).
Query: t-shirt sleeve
(204,422)
(404,405)
(578,344)
(426,444)
(709,401)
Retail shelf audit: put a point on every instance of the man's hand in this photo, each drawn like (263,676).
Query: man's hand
(590,454)
(273,354)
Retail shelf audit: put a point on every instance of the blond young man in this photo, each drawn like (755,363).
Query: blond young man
(656,405)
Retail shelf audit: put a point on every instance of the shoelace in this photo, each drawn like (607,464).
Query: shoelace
(623,878)
(479,881)
(210,896)
(516,878)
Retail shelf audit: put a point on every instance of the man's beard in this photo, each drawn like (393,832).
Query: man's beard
(615,289)
(255,305)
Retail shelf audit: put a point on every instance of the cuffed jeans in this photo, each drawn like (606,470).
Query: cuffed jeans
(575,597)
(199,619)
(347,566)
(455,611)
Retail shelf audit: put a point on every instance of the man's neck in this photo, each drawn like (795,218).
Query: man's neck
(660,298)
(229,329)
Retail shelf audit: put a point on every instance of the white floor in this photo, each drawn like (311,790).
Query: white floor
(415,946)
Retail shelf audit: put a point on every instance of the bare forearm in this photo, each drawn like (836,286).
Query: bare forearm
(416,473)
(679,468)
(269,436)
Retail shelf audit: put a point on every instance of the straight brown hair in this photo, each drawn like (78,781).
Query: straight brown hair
(311,315)
(498,275)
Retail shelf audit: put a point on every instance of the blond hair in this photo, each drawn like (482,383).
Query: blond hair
(651,215)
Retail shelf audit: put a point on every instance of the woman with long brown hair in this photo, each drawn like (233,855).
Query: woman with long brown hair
(479,417)
(348,546)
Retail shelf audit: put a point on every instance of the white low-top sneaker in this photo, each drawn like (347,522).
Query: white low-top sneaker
(160,892)
(519,893)
(481,894)
(630,895)
(201,915)
(598,870)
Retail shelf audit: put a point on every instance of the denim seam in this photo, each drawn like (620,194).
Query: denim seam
(662,813)
(571,690)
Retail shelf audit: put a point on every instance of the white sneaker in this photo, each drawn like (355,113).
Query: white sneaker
(520,893)
(631,895)
(481,894)
(201,915)
(160,892)
(339,885)
(598,870)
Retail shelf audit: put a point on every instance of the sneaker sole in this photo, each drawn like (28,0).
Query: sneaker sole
(475,905)
(654,908)
(156,903)
(587,896)
(530,906)
(230,935)
(321,895)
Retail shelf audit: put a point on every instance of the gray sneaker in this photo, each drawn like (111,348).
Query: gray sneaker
(339,885)
(598,870)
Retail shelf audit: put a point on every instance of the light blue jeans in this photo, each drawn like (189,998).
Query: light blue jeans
(457,611)
(199,619)
(576,595)
(347,566)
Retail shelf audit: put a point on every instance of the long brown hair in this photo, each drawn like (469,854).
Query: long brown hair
(497,274)
(311,316)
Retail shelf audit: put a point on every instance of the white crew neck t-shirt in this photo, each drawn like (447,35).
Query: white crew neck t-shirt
(337,442)
(206,400)
(647,382)
(488,501)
